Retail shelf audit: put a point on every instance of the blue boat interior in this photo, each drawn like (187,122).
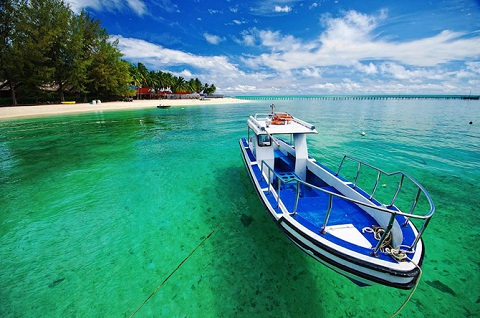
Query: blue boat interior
(313,204)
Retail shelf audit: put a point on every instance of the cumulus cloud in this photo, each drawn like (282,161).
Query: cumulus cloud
(282,9)
(311,72)
(213,39)
(474,67)
(369,68)
(352,38)
(239,22)
(247,37)
(161,57)
(279,43)
(137,6)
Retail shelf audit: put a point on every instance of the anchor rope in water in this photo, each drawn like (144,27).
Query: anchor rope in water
(413,290)
(397,254)
(171,274)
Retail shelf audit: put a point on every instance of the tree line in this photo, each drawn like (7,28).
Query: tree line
(47,49)
(165,81)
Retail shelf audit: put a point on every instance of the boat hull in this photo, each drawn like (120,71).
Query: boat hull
(362,269)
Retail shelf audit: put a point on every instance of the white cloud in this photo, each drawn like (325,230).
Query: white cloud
(277,42)
(185,74)
(367,69)
(243,89)
(473,67)
(311,72)
(282,9)
(159,57)
(239,22)
(137,6)
(352,39)
(78,5)
(401,72)
(213,39)
(249,39)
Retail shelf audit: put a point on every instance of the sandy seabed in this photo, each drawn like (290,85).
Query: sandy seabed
(56,109)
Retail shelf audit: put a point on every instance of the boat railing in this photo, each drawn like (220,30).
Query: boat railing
(269,172)
(379,172)
(262,116)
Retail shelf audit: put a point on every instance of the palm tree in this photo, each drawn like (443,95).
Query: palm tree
(154,81)
(136,76)
(195,85)
(167,80)
(179,85)
(144,75)
(209,90)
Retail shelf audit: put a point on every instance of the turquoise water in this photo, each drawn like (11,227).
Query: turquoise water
(98,210)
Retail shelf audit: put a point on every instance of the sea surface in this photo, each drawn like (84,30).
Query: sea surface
(151,212)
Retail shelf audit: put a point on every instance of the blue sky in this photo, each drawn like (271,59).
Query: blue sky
(302,47)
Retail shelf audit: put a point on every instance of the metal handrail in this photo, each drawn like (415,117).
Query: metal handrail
(426,218)
(420,188)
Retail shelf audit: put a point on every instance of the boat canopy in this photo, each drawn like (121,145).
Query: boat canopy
(261,124)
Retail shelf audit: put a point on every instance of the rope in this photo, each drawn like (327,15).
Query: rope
(413,290)
(397,254)
(171,274)
(378,232)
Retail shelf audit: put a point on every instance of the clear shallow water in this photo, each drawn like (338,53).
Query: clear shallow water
(99,209)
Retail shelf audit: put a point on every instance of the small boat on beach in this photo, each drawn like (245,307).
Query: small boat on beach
(362,227)
(164,106)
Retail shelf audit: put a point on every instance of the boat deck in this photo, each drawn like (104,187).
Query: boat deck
(346,219)
(313,206)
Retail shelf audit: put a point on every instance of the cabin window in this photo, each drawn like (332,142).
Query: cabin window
(264,141)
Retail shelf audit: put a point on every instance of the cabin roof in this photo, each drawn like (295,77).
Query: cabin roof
(258,124)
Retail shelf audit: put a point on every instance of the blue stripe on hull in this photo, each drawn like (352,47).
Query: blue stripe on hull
(349,260)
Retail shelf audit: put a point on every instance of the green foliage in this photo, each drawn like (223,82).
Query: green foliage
(160,81)
(209,90)
(13,64)
(44,45)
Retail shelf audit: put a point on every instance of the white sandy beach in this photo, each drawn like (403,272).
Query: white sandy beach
(57,109)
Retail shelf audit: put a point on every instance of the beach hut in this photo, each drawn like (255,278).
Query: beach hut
(145,93)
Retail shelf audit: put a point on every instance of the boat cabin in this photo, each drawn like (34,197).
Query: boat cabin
(265,146)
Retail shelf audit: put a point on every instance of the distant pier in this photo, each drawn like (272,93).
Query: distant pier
(359,97)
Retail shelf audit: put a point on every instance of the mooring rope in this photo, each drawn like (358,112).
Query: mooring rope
(378,232)
(413,289)
(171,274)
(397,254)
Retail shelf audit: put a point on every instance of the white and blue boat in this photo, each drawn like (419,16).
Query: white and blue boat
(333,219)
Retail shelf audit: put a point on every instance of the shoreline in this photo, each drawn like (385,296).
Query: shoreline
(18,112)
